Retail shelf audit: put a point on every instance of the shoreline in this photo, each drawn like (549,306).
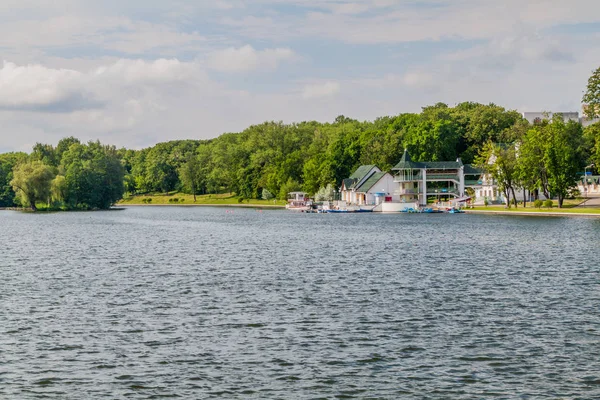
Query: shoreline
(273,206)
(533,213)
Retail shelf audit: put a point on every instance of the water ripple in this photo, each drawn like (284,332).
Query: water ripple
(199,303)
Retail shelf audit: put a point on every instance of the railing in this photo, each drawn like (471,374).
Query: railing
(442,192)
(439,177)
(406,191)
(402,178)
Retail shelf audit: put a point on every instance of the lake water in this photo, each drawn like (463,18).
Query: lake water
(198,303)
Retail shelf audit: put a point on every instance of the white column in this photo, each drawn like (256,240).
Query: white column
(461,178)
(424,200)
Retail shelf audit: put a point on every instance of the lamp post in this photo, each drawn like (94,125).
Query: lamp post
(585,181)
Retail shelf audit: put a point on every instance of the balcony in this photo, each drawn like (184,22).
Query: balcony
(414,178)
(406,191)
(442,192)
(443,177)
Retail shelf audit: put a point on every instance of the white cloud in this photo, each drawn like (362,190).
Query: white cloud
(318,90)
(39,88)
(246,58)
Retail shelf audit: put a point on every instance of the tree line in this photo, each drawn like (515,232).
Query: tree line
(279,158)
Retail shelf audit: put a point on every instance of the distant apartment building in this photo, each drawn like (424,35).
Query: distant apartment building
(539,116)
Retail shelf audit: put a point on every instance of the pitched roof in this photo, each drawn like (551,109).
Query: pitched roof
(361,172)
(369,183)
(470,169)
(441,164)
(406,162)
(348,183)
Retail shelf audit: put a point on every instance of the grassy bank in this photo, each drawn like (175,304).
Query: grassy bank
(570,206)
(201,200)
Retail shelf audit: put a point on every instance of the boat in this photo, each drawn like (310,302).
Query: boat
(455,211)
(429,210)
(299,201)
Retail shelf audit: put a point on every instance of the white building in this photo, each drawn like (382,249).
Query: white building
(368,185)
(538,116)
(420,180)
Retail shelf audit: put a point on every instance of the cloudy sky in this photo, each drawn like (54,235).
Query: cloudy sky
(137,72)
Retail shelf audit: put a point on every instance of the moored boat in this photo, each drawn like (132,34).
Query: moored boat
(298,201)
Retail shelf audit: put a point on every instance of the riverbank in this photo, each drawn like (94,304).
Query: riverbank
(565,212)
(209,200)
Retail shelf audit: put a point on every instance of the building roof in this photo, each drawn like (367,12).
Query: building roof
(369,183)
(441,164)
(470,169)
(406,162)
(348,183)
(361,172)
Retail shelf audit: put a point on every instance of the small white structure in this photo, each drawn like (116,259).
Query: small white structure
(589,186)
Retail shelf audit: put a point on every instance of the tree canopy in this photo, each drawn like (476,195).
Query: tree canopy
(277,158)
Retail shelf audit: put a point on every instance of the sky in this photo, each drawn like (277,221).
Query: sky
(137,72)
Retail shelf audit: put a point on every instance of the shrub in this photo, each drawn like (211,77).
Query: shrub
(548,203)
(240,199)
(486,202)
(266,194)
(538,203)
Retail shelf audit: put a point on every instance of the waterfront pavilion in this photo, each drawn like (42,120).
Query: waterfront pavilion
(418,180)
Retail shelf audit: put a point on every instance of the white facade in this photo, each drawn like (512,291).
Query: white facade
(386,186)
(574,116)
(539,116)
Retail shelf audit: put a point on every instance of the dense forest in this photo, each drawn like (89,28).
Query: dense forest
(280,158)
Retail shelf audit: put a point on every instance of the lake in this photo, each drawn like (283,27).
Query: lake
(159,302)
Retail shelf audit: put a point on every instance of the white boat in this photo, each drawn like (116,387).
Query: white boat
(298,201)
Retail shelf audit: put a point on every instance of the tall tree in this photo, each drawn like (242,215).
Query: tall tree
(591,97)
(190,174)
(562,158)
(7,163)
(500,162)
(32,183)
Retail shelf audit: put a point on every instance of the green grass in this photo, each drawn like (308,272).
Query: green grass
(188,199)
(569,207)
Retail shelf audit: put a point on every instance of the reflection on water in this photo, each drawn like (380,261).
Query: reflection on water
(204,303)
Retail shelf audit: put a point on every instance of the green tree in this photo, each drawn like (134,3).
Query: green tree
(7,163)
(500,162)
(190,174)
(58,189)
(94,176)
(266,194)
(591,97)
(562,156)
(32,182)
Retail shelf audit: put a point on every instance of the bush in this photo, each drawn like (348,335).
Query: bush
(486,202)
(548,203)
(266,194)
(147,200)
(240,199)
(538,203)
